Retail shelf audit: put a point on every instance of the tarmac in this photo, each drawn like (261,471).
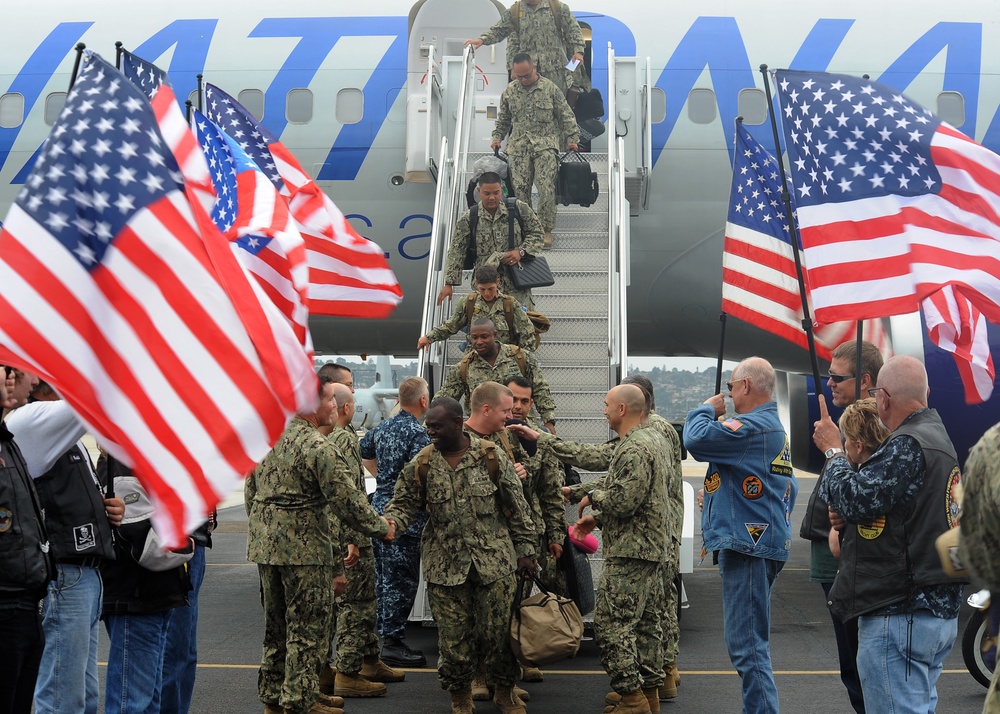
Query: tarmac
(803,649)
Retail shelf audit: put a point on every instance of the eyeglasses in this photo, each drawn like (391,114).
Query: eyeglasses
(838,378)
(873,390)
(729,385)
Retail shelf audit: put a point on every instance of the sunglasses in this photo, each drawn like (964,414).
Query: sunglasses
(838,378)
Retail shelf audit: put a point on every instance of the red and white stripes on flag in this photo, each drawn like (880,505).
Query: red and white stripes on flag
(119,291)
(348,274)
(955,325)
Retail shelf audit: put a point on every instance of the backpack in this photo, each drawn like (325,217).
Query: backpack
(487,450)
(470,247)
(540,322)
(516,13)
(463,366)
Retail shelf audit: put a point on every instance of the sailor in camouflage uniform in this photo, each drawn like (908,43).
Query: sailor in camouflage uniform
(360,672)
(489,302)
(478,533)
(630,507)
(385,450)
(288,499)
(534,112)
(979,539)
(546,30)
(493,240)
(491,361)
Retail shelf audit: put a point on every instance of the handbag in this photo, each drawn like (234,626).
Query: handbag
(575,565)
(530,271)
(545,627)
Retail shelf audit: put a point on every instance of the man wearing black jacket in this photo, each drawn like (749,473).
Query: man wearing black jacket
(25,570)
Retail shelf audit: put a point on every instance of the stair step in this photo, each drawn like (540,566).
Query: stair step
(575,328)
(567,304)
(579,221)
(579,404)
(588,430)
(578,352)
(566,378)
(577,281)
(563,258)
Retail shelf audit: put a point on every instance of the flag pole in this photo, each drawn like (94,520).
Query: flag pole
(119,48)
(722,349)
(80,47)
(188,110)
(857,365)
(786,199)
(201,92)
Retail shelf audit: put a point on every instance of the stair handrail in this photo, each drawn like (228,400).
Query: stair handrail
(623,252)
(647,137)
(612,216)
(436,254)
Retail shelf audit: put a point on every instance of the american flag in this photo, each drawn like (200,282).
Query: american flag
(894,204)
(759,281)
(348,274)
(955,325)
(255,217)
(155,84)
(120,293)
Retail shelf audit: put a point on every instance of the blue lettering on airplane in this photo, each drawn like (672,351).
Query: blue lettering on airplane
(404,251)
(712,43)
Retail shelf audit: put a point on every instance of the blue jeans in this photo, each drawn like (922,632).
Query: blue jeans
(67,677)
(180,660)
(882,660)
(135,662)
(847,651)
(746,612)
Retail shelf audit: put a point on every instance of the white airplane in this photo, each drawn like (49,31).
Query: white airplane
(332,80)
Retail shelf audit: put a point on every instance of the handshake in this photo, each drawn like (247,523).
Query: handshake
(391,535)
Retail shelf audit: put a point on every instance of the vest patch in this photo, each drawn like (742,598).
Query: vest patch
(753,488)
(75,456)
(733,424)
(952,496)
(873,530)
(6,519)
(85,537)
(782,463)
(756,530)
(712,483)
(130,498)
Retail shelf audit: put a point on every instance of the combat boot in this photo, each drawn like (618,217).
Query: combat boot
(331,701)
(375,670)
(461,701)
(273,708)
(507,701)
(355,685)
(670,669)
(532,674)
(632,703)
(671,679)
(327,678)
(321,707)
(480,692)
(548,241)
(653,699)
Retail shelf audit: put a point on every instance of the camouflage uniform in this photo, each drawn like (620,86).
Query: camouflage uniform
(540,37)
(470,549)
(504,366)
(631,509)
(355,616)
(979,541)
(392,444)
(524,331)
(597,457)
(492,241)
(288,498)
(540,124)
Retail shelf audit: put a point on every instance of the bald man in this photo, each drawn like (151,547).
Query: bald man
(900,500)
(630,507)
(749,495)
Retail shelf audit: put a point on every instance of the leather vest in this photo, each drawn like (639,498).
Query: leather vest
(74,509)
(25,560)
(888,560)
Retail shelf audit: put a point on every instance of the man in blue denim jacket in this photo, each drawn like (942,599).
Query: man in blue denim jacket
(749,495)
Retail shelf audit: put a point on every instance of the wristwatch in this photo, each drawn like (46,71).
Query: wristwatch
(521,251)
(830,453)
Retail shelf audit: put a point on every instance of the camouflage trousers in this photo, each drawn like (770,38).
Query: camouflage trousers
(474,624)
(297,601)
(356,636)
(539,169)
(397,576)
(628,623)
(548,568)
(671,627)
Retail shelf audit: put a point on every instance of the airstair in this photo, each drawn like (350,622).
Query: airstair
(585,352)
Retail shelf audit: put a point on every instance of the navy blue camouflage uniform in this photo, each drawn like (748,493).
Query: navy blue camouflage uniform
(392,444)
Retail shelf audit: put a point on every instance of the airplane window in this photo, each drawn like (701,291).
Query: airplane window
(11,110)
(752,106)
(299,106)
(658,99)
(702,108)
(951,108)
(53,106)
(350,105)
(253,100)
